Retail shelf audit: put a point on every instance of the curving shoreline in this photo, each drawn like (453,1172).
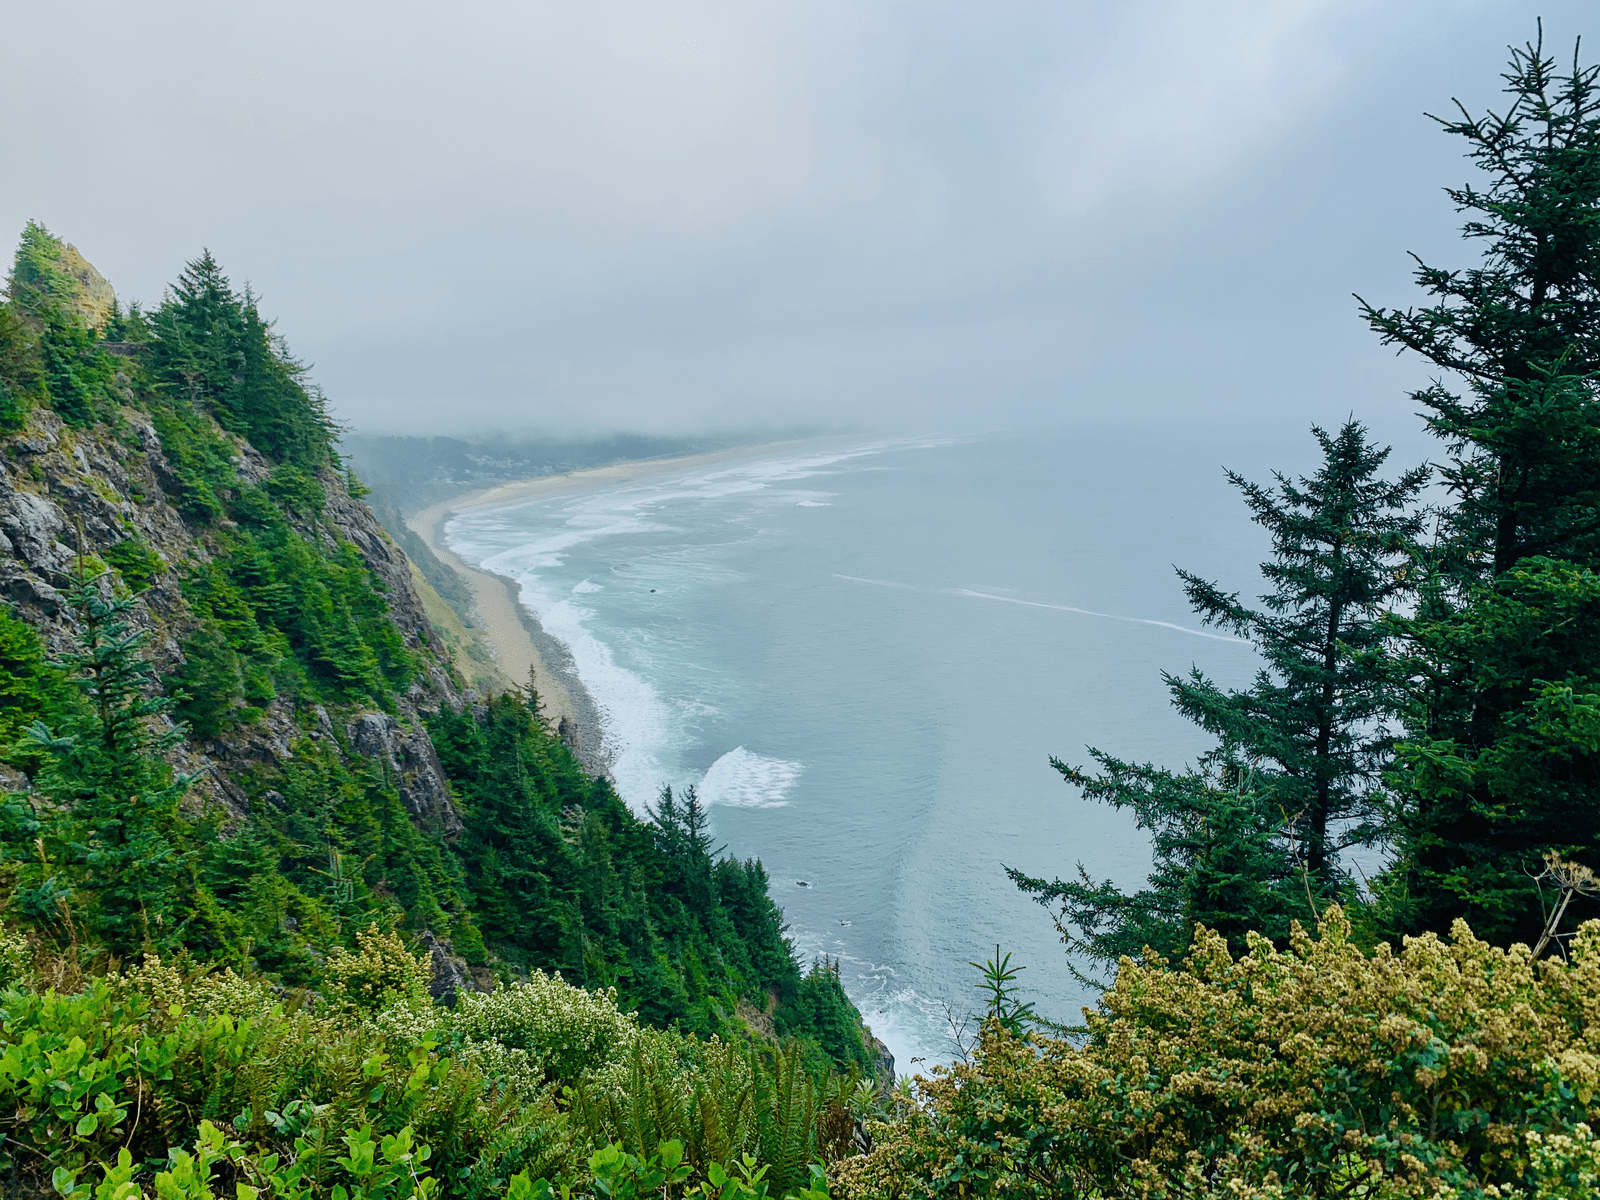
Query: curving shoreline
(519,642)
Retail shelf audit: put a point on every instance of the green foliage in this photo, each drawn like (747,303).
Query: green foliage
(314,620)
(1530,649)
(31,687)
(1251,838)
(1442,1069)
(47,347)
(331,851)
(722,1104)
(186,1082)
(1518,341)
(564,878)
(210,348)
(822,1018)
(137,564)
(76,372)
(1003,1005)
(208,689)
(107,803)
(616,1174)
(37,285)
(202,475)
(21,376)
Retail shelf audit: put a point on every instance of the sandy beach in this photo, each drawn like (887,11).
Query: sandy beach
(518,641)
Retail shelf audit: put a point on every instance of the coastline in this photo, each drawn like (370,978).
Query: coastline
(519,642)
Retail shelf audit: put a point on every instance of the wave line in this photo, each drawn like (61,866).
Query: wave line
(1087,612)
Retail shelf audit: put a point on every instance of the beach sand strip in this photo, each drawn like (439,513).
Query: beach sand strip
(518,641)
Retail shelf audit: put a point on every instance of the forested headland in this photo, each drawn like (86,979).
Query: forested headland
(290,911)
(247,797)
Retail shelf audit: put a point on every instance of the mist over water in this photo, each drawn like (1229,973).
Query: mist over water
(864,652)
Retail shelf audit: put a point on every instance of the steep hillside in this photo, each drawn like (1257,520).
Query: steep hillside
(232,733)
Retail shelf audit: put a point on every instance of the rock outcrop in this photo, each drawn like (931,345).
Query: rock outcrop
(451,976)
(95,297)
(66,491)
(410,760)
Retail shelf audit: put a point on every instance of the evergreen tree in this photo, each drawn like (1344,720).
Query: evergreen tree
(60,348)
(21,373)
(111,802)
(37,284)
(1493,645)
(1253,835)
(210,346)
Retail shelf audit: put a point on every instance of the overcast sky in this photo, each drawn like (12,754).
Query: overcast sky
(682,215)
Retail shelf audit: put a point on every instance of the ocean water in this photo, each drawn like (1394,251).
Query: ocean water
(864,651)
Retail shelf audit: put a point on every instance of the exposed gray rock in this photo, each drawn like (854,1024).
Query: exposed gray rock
(413,764)
(34,524)
(324,724)
(883,1064)
(38,440)
(376,735)
(28,590)
(149,439)
(450,973)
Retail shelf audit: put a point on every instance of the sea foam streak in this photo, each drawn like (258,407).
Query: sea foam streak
(746,780)
(1084,612)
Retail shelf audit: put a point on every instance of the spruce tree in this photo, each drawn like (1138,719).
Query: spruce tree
(1252,836)
(1521,330)
(210,346)
(1492,774)
(111,801)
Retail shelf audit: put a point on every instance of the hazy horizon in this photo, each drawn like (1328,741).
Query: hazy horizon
(712,217)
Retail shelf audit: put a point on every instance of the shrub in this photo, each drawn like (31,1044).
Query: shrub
(563,1030)
(136,562)
(382,973)
(1448,1068)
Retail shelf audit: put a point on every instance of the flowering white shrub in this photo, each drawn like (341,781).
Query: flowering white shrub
(16,959)
(513,1069)
(160,983)
(410,1021)
(563,1030)
(227,992)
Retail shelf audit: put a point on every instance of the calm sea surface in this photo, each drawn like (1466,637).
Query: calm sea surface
(864,653)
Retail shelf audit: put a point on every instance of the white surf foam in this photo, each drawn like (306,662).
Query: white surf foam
(641,728)
(743,779)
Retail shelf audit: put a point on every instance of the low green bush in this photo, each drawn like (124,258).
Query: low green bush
(180,1080)
(1448,1069)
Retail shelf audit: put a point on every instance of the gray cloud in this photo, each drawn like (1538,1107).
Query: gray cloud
(667,216)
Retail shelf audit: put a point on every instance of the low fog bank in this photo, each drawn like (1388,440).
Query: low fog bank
(673,219)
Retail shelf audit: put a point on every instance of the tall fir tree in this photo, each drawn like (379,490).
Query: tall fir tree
(1253,836)
(109,818)
(210,345)
(1497,765)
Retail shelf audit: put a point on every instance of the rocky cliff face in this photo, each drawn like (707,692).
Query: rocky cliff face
(68,492)
(95,298)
